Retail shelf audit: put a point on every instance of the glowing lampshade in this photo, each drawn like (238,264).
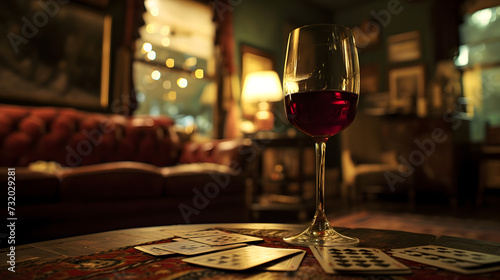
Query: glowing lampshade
(262,87)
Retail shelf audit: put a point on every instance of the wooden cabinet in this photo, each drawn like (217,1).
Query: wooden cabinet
(433,151)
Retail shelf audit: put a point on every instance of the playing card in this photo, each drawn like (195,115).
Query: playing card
(457,254)
(452,264)
(153,250)
(291,263)
(225,239)
(357,260)
(189,234)
(188,247)
(241,258)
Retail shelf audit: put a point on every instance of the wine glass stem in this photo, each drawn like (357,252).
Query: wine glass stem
(320,225)
(320,148)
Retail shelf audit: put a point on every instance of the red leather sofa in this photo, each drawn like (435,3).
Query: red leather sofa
(110,171)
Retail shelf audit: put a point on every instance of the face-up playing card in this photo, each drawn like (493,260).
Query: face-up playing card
(152,250)
(187,247)
(445,262)
(291,263)
(189,234)
(458,254)
(357,260)
(241,258)
(225,239)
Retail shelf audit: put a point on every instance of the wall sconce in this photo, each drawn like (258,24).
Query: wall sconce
(262,87)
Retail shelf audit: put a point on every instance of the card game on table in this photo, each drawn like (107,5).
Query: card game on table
(223,250)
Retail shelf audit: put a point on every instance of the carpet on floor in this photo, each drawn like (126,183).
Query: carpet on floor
(436,225)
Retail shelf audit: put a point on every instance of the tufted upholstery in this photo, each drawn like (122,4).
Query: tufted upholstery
(118,172)
(74,138)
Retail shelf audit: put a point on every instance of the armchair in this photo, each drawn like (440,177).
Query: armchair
(369,165)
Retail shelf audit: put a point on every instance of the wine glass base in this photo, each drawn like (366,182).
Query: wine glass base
(326,238)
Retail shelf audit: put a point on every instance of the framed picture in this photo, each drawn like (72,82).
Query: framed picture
(254,59)
(404,47)
(57,55)
(406,88)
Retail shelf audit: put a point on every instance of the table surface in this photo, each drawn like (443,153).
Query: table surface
(105,241)
(99,242)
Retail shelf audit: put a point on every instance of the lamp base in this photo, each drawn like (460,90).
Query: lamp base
(264,121)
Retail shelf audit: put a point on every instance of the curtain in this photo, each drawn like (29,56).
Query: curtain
(229,86)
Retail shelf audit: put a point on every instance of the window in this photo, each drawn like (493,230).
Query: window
(174,64)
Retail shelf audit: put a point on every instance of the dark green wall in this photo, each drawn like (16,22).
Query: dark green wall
(416,15)
(264,24)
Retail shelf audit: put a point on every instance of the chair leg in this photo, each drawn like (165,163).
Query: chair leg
(482,184)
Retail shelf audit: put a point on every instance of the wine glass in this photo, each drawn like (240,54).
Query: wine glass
(321,89)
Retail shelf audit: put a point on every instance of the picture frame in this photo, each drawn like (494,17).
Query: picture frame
(404,47)
(65,60)
(407,89)
(254,59)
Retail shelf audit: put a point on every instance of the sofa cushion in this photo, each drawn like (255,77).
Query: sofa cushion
(183,179)
(235,153)
(111,181)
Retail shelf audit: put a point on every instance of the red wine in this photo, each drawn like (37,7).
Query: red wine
(321,113)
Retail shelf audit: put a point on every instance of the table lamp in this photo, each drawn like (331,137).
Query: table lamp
(262,87)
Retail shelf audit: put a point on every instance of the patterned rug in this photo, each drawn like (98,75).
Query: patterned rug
(435,225)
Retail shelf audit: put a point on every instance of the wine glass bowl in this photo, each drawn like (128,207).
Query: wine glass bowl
(321,90)
(321,113)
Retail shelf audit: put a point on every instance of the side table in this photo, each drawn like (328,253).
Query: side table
(283,171)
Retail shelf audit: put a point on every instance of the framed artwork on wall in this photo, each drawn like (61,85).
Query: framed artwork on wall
(254,59)
(56,56)
(407,89)
(404,47)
